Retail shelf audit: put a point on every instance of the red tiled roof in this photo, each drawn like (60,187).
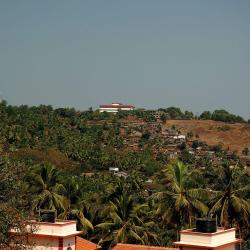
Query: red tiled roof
(121,246)
(116,106)
(82,244)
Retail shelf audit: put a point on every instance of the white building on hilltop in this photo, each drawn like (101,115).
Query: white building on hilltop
(115,107)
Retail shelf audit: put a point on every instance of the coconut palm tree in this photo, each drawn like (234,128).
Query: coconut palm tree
(124,222)
(231,201)
(179,202)
(75,207)
(43,184)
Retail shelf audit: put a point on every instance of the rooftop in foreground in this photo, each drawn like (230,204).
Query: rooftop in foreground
(60,228)
(82,244)
(121,246)
(222,237)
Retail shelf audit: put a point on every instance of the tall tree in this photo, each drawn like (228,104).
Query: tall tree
(75,207)
(179,202)
(14,205)
(231,199)
(43,183)
(124,223)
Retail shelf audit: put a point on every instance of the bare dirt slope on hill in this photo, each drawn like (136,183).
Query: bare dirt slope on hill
(233,136)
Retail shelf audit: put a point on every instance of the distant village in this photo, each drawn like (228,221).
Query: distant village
(167,141)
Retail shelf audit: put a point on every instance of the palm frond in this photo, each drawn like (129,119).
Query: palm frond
(105,225)
(134,235)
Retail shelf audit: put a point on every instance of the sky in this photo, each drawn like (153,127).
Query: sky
(191,54)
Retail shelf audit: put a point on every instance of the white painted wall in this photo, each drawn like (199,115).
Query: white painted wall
(209,239)
(115,109)
(45,243)
(59,228)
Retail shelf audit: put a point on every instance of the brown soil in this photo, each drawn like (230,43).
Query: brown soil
(231,136)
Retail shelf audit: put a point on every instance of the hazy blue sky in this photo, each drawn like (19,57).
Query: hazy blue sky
(158,53)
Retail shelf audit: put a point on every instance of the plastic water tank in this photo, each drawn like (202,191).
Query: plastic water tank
(47,216)
(206,225)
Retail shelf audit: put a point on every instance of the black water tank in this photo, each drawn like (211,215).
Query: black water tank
(47,216)
(206,225)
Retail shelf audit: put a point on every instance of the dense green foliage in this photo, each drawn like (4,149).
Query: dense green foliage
(221,115)
(14,202)
(176,113)
(111,209)
(108,208)
(94,147)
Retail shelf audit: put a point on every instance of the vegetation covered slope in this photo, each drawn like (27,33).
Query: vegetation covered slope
(45,154)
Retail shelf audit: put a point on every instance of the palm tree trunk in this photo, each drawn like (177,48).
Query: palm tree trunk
(190,220)
(240,235)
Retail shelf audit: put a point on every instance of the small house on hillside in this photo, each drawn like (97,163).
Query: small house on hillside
(114,170)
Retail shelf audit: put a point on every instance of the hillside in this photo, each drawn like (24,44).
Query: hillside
(231,136)
(64,159)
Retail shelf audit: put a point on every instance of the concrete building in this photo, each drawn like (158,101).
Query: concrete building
(222,239)
(115,107)
(58,235)
(114,170)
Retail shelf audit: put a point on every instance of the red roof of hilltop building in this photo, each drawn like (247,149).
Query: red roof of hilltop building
(121,246)
(116,105)
(82,244)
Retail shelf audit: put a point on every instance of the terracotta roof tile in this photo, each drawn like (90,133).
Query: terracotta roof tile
(116,106)
(82,244)
(121,246)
